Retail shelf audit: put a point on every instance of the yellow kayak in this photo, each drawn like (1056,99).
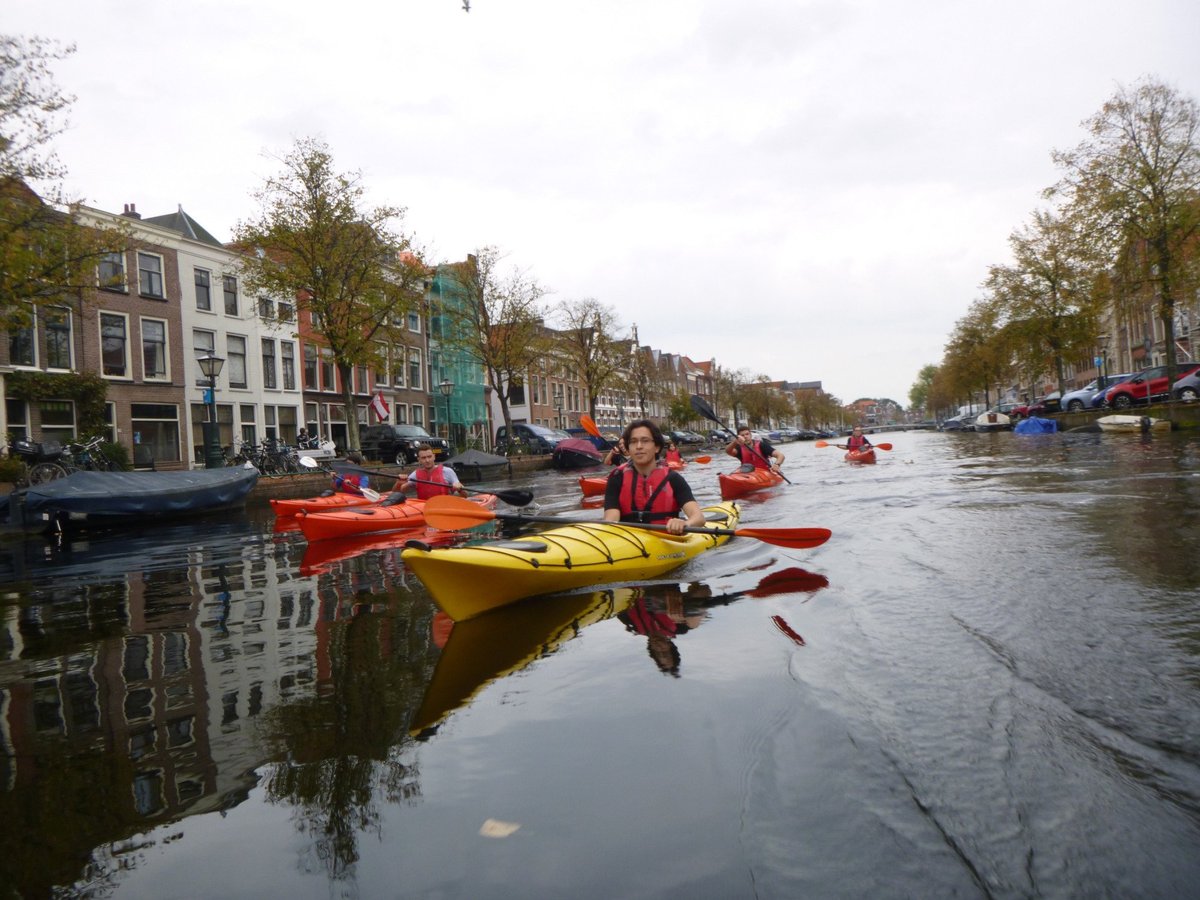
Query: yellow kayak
(469,581)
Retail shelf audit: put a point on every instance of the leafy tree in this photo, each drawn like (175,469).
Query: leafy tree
(1046,295)
(500,324)
(918,394)
(1135,180)
(589,343)
(315,239)
(47,250)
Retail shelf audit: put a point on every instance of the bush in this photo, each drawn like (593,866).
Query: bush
(117,454)
(12,470)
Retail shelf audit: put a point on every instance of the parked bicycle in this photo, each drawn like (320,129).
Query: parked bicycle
(50,460)
(269,457)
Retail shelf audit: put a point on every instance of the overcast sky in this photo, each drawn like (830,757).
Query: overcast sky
(810,191)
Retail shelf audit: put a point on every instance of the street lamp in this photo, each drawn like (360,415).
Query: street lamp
(1102,340)
(213,458)
(447,388)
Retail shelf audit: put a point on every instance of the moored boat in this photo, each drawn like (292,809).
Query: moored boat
(1134,424)
(469,581)
(389,515)
(993,421)
(740,483)
(864,456)
(123,498)
(576,453)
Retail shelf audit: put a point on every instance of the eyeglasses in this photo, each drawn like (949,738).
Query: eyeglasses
(638,442)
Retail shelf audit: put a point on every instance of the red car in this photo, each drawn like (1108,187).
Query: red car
(1152,382)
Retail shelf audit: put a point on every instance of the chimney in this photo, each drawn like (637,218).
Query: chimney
(131,211)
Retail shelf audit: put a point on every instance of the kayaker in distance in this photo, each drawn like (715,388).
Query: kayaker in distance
(644,491)
(748,451)
(672,455)
(430,478)
(352,483)
(617,454)
(856,441)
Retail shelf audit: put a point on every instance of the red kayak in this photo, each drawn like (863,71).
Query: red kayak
(319,504)
(318,526)
(861,456)
(738,484)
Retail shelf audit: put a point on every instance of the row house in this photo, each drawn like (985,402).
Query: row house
(549,394)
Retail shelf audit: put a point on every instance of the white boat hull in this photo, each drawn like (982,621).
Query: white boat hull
(1135,424)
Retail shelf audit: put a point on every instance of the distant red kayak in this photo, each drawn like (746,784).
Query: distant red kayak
(738,484)
(861,456)
(319,526)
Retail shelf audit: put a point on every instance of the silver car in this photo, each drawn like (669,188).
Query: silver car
(1091,393)
(1187,387)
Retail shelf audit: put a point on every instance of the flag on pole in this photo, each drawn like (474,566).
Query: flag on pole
(380,406)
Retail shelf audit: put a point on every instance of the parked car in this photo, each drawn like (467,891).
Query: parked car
(1187,387)
(1074,401)
(1146,385)
(535,438)
(1051,403)
(682,437)
(720,435)
(399,443)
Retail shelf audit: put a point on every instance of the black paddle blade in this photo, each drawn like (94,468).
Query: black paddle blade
(700,405)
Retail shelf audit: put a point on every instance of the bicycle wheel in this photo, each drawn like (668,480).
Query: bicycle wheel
(46,471)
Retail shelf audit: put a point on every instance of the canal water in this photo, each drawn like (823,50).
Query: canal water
(986,684)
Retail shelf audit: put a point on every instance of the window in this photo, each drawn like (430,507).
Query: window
(231,306)
(247,412)
(328,383)
(114,345)
(58,420)
(288,349)
(381,367)
(418,414)
(150,275)
(235,365)
(204,343)
(154,349)
(17,416)
(111,272)
(287,311)
(414,322)
(414,372)
(400,411)
(156,427)
(310,368)
(58,338)
(21,344)
(266,309)
(203,290)
(397,365)
(268,363)
(360,377)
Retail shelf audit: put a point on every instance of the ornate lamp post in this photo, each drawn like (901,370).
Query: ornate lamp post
(211,366)
(447,388)
(1102,340)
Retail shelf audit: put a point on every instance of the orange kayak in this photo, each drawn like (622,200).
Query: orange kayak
(336,500)
(738,484)
(861,456)
(318,526)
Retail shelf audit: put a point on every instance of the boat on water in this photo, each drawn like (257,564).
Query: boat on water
(1133,424)
(576,453)
(475,465)
(993,421)
(743,482)
(469,581)
(91,499)
(861,457)
(327,501)
(394,513)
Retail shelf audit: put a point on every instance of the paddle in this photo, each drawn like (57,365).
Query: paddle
(374,496)
(884,446)
(700,405)
(512,498)
(454,513)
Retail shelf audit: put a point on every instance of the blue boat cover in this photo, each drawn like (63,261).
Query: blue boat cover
(1035,425)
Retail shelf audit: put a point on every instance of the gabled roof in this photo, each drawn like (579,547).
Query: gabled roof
(185,225)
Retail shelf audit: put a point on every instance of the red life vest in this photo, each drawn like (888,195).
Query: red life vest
(673,456)
(853,443)
(756,458)
(425,491)
(647,498)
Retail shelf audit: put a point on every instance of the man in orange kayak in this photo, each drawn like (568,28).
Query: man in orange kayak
(644,491)
(348,483)
(760,454)
(430,478)
(856,441)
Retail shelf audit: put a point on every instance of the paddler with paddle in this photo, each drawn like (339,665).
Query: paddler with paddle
(351,482)
(644,491)
(856,441)
(749,452)
(430,478)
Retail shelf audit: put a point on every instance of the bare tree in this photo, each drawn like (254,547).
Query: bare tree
(588,340)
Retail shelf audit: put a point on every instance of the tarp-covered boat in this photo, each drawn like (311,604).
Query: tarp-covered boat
(475,465)
(469,581)
(739,483)
(117,498)
(1035,425)
(576,453)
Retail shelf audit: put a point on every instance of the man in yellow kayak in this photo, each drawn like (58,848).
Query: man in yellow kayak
(644,491)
